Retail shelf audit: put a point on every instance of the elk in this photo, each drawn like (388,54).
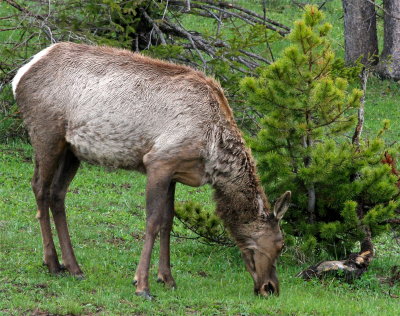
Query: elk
(121,109)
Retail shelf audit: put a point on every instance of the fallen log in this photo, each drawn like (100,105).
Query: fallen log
(351,268)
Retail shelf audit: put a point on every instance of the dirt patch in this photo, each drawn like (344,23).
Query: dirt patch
(392,280)
(116,241)
(137,236)
(74,191)
(121,186)
(38,312)
(26,159)
(394,277)
(203,274)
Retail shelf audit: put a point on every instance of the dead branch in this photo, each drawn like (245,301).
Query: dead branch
(200,43)
(392,221)
(11,29)
(7,17)
(249,12)
(383,9)
(247,16)
(197,41)
(44,24)
(25,10)
(253,55)
(155,26)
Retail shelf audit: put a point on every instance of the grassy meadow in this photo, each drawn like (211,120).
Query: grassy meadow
(106,214)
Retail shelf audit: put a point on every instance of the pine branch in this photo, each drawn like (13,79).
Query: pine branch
(220,239)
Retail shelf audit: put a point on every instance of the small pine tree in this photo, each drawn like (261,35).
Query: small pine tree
(338,188)
(204,224)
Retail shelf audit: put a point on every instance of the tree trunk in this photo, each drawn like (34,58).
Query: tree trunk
(360,31)
(360,124)
(389,66)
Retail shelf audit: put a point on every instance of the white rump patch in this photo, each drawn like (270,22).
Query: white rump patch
(27,66)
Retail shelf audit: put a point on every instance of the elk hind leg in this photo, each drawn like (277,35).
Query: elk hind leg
(66,171)
(45,167)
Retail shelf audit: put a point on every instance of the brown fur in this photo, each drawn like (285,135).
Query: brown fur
(124,110)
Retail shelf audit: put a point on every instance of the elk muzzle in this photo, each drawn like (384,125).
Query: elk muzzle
(263,272)
(267,289)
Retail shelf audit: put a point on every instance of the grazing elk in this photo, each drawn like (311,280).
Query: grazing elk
(115,108)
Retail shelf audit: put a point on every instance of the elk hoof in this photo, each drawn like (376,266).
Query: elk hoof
(134,282)
(62,268)
(54,268)
(146,295)
(79,277)
(168,283)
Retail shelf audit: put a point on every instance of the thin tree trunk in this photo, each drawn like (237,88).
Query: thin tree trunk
(389,66)
(360,31)
(308,142)
(360,124)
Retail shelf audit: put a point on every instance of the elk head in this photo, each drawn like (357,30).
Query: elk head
(261,242)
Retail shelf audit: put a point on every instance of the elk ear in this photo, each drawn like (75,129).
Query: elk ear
(282,205)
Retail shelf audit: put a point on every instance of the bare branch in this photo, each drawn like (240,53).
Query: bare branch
(194,40)
(249,12)
(43,24)
(250,54)
(155,26)
(360,124)
(383,9)
(251,19)
(25,10)
(11,29)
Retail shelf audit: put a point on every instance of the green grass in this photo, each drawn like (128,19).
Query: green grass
(382,103)
(107,219)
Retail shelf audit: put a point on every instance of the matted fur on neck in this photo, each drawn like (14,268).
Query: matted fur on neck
(232,173)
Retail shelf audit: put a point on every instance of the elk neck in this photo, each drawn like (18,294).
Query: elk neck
(232,171)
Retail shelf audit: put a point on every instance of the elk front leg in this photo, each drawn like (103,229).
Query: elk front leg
(156,201)
(164,268)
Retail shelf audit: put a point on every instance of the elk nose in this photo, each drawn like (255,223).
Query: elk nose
(267,289)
